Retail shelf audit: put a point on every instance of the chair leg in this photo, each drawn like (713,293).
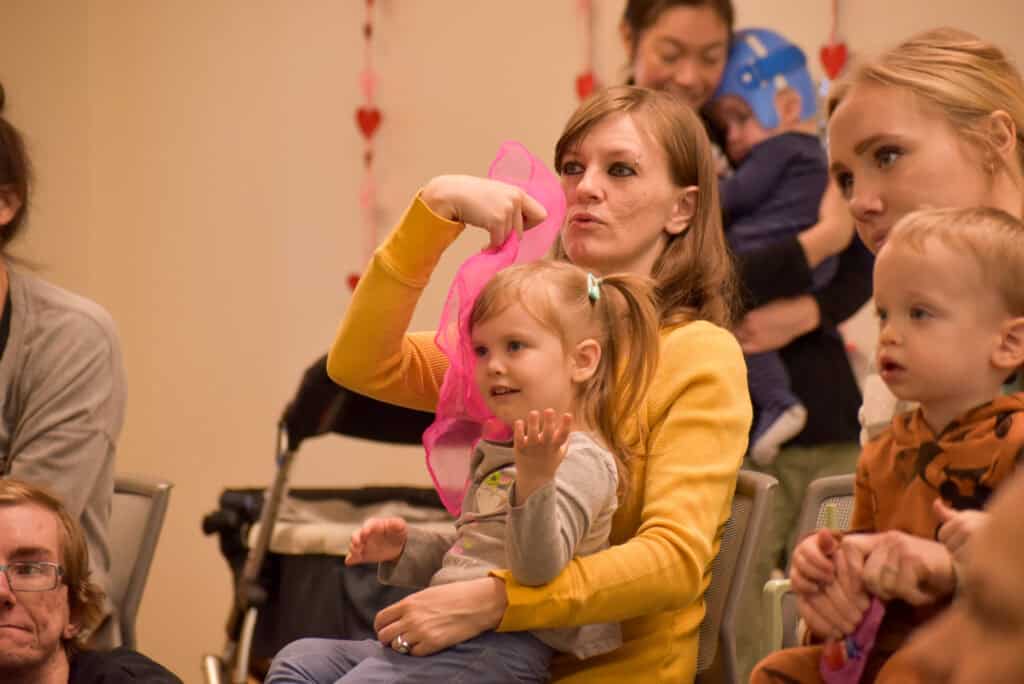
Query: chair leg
(771,599)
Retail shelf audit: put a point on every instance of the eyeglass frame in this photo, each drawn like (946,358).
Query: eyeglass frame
(58,577)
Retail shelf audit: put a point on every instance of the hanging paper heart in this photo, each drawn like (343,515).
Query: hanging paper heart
(585,84)
(368,119)
(833,59)
(353,280)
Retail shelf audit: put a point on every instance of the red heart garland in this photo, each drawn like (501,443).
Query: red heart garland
(833,58)
(585,84)
(353,280)
(368,119)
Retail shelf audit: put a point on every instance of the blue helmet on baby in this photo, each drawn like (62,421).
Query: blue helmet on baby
(761,63)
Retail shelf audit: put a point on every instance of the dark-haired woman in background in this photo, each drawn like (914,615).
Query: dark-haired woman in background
(62,380)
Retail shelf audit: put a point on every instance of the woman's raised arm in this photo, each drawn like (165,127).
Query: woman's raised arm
(372,353)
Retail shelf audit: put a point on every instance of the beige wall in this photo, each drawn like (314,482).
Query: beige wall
(198,168)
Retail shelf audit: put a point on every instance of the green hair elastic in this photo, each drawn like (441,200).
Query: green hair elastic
(593,287)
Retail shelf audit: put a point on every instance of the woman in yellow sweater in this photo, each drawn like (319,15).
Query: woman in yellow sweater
(641,196)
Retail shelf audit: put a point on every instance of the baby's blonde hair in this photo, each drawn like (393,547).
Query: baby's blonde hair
(623,320)
(992,237)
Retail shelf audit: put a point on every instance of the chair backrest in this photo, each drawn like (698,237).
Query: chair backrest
(139,506)
(751,510)
(835,491)
(825,497)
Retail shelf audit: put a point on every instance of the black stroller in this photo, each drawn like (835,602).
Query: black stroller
(281,598)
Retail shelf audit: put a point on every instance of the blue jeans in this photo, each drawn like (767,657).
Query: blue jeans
(511,657)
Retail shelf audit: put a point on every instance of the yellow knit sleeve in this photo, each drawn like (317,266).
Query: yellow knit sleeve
(698,416)
(372,354)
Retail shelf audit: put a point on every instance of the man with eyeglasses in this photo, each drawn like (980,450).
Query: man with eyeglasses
(48,603)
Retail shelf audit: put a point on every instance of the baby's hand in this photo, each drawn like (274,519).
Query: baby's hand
(813,567)
(539,449)
(957,528)
(379,539)
(835,608)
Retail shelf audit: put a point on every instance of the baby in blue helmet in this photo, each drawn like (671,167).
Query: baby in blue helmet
(765,108)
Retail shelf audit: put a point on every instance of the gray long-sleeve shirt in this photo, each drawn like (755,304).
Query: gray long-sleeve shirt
(570,516)
(63,387)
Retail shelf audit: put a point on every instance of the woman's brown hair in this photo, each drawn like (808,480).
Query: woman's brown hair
(15,175)
(694,276)
(640,15)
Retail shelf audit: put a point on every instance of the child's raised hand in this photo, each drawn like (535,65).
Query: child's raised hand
(957,527)
(539,448)
(379,539)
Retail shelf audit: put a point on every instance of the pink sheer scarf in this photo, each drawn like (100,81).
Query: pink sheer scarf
(461,412)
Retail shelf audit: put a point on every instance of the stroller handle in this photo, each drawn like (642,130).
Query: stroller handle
(321,406)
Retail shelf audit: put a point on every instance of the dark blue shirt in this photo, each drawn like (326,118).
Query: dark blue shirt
(775,193)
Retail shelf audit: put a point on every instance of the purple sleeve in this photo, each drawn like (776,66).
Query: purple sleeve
(753,180)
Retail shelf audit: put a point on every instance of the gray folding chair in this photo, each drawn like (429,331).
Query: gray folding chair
(751,508)
(139,506)
(827,503)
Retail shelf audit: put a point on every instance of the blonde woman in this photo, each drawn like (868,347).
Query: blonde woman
(935,121)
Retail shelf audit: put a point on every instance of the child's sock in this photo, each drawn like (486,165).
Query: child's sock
(775,428)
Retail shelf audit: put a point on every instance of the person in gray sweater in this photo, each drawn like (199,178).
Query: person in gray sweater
(563,359)
(62,380)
